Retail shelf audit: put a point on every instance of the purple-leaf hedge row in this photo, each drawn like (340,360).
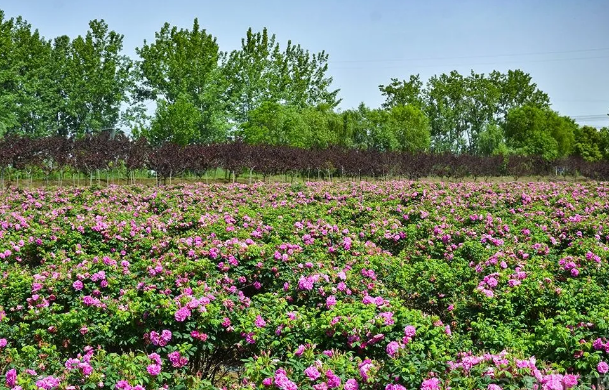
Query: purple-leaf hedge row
(104,152)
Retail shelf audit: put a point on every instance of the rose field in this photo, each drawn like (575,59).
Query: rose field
(370,285)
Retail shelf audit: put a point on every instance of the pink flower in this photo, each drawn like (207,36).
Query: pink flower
(155,358)
(570,380)
(282,381)
(166,335)
(364,368)
(249,337)
(351,384)
(3,343)
(72,364)
(123,385)
(493,386)
(410,331)
(312,373)
(430,384)
(267,381)
(305,283)
(11,377)
(394,387)
(85,368)
(182,314)
(552,382)
(574,272)
(176,359)
(260,322)
(330,301)
(48,383)
(602,367)
(154,369)
(598,344)
(392,348)
(332,379)
(77,285)
(300,350)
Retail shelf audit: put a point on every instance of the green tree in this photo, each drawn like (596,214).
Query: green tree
(537,131)
(381,136)
(24,79)
(377,129)
(176,122)
(517,90)
(325,127)
(260,71)
(461,108)
(95,80)
(604,142)
(588,143)
(491,140)
(410,127)
(402,93)
(181,67)
(353,127)
(276,124)
(446,106)
(61,87)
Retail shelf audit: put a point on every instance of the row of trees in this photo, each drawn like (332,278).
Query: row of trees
(73,87)
(94,155)
(264,93)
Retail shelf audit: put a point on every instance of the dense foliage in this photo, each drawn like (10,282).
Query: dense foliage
(355,286)
(182,88)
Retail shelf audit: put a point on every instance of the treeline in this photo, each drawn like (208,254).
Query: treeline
(264,93)
(98,156)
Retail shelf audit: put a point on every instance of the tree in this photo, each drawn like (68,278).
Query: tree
(491,140)
(259,71)
(517,90)
(446,108)
(96,80)
(180,71)
(402,93)
(588,143)
(410,127)
(354,126)
(381,137)
(276,124)
(461,108)
(542,132)
(604,142)
(63,87)
(176,122)
(24,79)
(325,128)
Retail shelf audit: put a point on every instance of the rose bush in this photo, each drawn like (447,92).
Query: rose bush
(352,285)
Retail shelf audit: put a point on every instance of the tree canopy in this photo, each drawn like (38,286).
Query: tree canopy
(181,88)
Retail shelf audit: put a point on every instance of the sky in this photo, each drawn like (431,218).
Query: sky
(562,44)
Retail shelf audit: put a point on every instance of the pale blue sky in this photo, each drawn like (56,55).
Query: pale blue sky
(564,45)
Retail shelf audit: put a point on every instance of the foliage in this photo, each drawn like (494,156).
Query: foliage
(180,71)
(261,72)
(461,108)
(316,285)
(540,132)
(588,143)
